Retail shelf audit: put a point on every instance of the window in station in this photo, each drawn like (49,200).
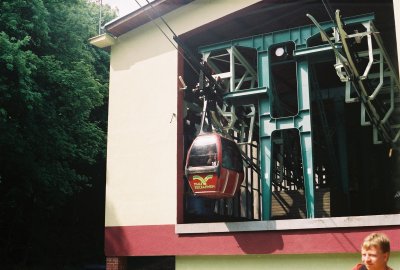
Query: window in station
(313,141)
(283,80)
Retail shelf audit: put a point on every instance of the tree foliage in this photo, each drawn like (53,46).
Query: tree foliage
(53,89)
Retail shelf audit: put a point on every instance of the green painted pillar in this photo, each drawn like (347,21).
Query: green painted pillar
(301,121)
(265,136)
(304,126)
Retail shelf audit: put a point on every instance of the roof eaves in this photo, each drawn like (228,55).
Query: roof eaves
(155,9)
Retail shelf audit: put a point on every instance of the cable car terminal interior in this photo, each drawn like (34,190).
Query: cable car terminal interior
(300,118)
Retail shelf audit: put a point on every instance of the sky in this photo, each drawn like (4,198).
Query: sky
(124,6)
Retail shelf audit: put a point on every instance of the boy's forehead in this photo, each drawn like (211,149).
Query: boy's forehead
(370,248)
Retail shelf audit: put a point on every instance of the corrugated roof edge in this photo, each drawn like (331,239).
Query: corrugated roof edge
(155,9)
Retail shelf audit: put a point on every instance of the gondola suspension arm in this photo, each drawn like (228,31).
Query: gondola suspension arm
(352,73)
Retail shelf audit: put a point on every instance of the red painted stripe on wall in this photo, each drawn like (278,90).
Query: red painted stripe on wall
(161,240)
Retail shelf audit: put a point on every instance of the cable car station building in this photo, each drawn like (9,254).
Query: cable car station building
(279,151)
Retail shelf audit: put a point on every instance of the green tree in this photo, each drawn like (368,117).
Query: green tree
(53,89)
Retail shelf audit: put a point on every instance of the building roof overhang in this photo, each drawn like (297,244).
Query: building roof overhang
(262,17)
(145,14)
(102,41)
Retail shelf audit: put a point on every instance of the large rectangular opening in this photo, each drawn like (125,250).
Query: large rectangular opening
(349,168)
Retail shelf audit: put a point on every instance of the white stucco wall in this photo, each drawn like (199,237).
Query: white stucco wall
(142,132)
(142,143)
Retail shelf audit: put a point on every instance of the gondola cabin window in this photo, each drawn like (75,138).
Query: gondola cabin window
(203,152)
(231,157)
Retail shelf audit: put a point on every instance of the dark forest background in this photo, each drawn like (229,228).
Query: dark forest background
(53,121)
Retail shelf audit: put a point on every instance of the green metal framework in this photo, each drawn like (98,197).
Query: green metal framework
(262,94)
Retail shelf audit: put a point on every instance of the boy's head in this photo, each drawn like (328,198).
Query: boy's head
(378,240)
(375,251)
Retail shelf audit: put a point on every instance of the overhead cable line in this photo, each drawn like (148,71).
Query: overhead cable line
(328,10)
(163,32)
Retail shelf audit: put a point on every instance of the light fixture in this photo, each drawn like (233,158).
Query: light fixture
(280,51)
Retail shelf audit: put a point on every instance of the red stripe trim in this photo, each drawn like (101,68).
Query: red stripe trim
(161,240)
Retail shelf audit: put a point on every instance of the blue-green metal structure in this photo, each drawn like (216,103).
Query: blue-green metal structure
(268,124)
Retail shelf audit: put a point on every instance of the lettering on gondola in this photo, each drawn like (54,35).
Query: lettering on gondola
(203,180)
(203,187)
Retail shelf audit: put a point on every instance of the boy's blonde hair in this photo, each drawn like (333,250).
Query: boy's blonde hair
(377,240)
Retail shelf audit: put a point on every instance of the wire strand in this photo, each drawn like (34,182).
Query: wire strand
(156,24)
(328,10)
(162,31)
(161,17)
